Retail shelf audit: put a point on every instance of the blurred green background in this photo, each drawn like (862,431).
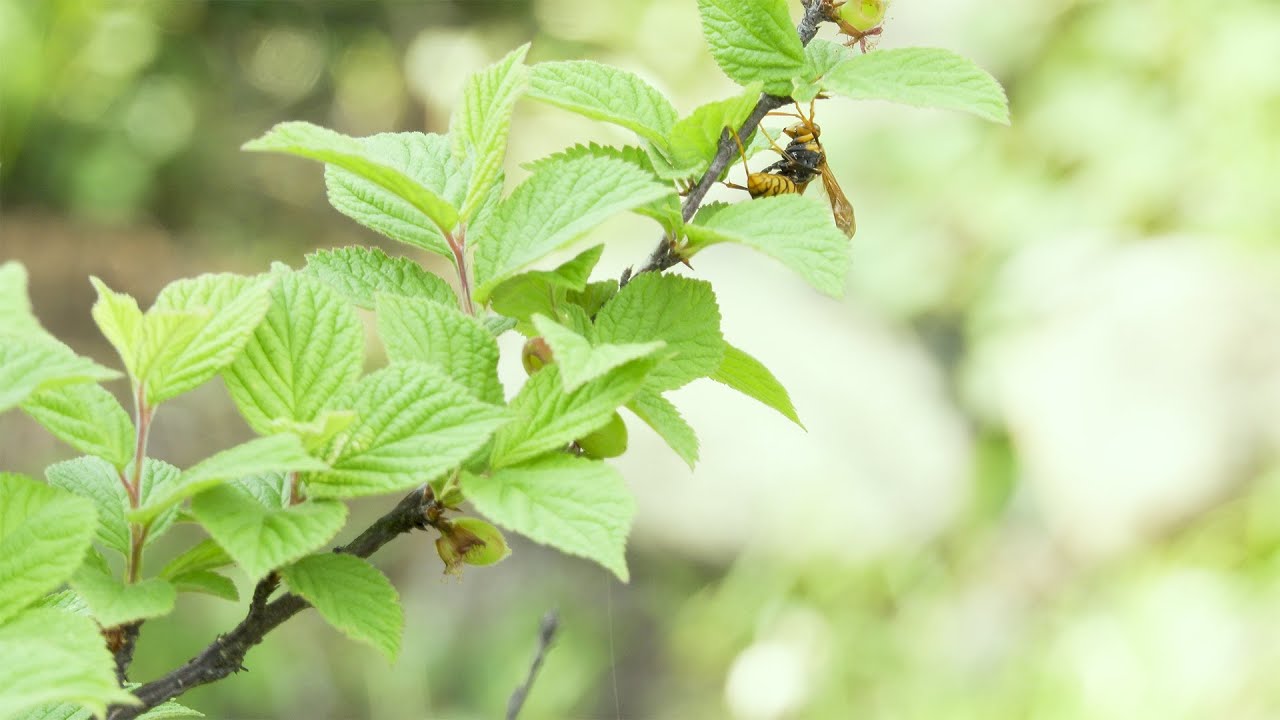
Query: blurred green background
(1039,477)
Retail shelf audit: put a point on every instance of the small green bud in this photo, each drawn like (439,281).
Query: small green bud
(536,355)
(863,15)
(471,541)
(609,441)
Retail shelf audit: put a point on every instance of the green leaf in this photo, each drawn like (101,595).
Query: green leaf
(676,310)
(661,415)
(316,433)
(695,139)
(262,538)
(554,207)
(96,479)
(750,377)
(421,158)
(352,596)
(311,141)
(31,364)
(415,330)
(16,315)
(205,555)
(414,424)
(579,506)
(308,348)
(925,77)
(359,273)
(275,453)
(44,533)
(480,124)
(207,583)
(88,418)
(115,603)
(118,317)
(541,291)
(753,42)
(820,56)
(548,418)
(796,230)
(68,711)
(63,660)
(580,361)
(603,92)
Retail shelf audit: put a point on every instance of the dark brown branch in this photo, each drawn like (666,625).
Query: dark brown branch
(666,254)
(546,633)
(225,655)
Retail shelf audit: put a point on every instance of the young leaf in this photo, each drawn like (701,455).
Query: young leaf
(63,660)
(205,555)
(580,361)
(16,315)
(86,417)
(695,139)
(603,92)
(796,230)
(308,348)
(579,506)
(925,77)
(359,273)
(311,141)
(750,377)
(554,207)
(115,603)
(262,538)
(480,125)
(540,291)
(44,533)
(206,582)
(94,478)
(416,330)
(820,56)
(423,159)
(678,311)
(118,317)
(753,42)
(414,425)
(282,453)
(31,364)
(353,596)
(658,413)
(547,417)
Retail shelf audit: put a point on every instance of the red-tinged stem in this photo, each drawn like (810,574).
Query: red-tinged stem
(143,414)
(458,244)
(295,495)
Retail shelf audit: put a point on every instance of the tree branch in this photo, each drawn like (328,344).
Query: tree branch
(666,255)
(225,655)
(546,633)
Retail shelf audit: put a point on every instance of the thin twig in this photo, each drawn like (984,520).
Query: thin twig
(546,633)
(666,254)
(225,655)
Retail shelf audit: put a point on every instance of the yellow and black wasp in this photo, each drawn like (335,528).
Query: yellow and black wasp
(802,160)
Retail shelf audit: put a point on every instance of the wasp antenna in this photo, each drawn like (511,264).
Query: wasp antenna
(742,152)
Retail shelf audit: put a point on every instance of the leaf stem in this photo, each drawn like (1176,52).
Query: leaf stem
(143,413)
(458,244)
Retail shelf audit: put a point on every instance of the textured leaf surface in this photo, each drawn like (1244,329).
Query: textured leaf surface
(925,77)
(660,414)
(555,206)
(678,311)
(94,478)
(206,582)
(414,425)
(353,596)
(750,377)
(275,453)
(44,533)
(422,158)
(753,41)
(308,348)
(415,330)
(480,125)
(796,230)
(205,555)
(580,361)
(88,418)
(113,602)
(120,320)
(359,273)
(579,506)
(695,139)
(311,141)
(29,364)
(547,417)
(16,315)
(262,538)
(63,660)
(604,92)
(820,56)
(541,291)
(228,306)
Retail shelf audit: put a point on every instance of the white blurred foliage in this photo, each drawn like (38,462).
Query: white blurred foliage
(1137,381)
(775,676)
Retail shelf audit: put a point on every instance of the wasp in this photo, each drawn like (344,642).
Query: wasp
(803,159)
